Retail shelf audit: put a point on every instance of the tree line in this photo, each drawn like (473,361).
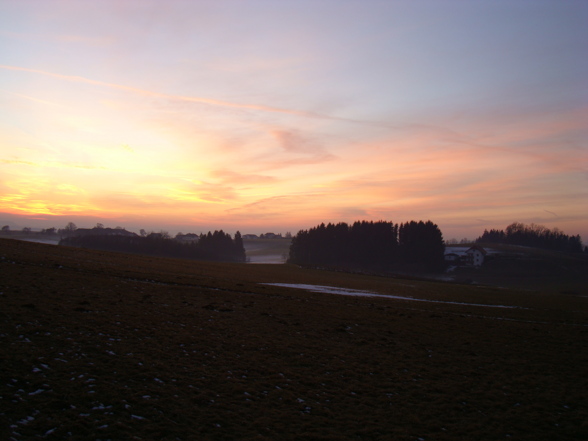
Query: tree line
(218,246)
(533,235)
(379,245)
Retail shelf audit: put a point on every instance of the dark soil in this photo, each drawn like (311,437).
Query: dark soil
(106,346)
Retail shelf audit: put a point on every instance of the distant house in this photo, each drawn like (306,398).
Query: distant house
(271,236)
(250,236)
(475,256)
(188,238)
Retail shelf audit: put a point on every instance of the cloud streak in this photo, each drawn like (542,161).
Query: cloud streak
(52,164)
(191,99)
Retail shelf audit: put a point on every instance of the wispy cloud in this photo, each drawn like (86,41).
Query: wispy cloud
(200,100)
(293,142)
(52,164)
(66,38)
(275,204)
(202,192)
(233,178)
(36,100)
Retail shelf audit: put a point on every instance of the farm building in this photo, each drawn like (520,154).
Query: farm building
(271,236)
(475,256)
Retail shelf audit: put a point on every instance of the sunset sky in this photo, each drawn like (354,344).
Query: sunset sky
(279,115)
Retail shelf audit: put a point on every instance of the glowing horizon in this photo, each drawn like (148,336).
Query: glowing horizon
(277,117)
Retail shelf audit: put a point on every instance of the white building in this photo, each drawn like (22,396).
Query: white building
(475,255)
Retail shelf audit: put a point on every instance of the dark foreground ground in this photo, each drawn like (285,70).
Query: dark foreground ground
(105,346)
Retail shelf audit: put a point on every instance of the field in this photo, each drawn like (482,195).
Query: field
(107,346)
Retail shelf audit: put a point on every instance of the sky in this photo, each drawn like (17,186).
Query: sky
(276,116)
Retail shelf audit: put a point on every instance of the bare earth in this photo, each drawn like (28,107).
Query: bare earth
(97,345)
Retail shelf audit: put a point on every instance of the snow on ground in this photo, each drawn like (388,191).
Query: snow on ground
(360,293)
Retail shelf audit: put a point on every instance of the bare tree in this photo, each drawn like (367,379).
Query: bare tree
(70,228)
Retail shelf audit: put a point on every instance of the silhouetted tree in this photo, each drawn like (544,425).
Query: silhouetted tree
(214,246)
(421,243)
(239,247)
(533,235)
(369,245)
(493,236)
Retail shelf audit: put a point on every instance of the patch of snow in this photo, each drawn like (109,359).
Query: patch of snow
(38,391)
(26,420)
(101,406)
(360,293)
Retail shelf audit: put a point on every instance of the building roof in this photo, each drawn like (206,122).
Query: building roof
(477,248)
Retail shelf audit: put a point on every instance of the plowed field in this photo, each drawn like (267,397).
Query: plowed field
(107,346)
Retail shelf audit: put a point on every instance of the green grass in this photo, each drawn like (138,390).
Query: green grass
(97,345)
